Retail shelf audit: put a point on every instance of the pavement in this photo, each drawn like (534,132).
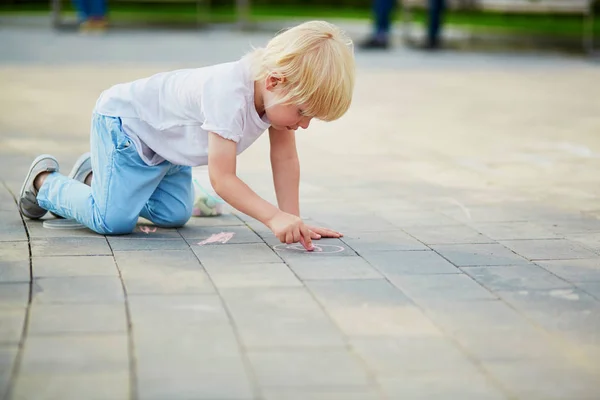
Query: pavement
(466,186)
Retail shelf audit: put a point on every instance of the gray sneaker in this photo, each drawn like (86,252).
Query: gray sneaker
(80,171)
(28,204)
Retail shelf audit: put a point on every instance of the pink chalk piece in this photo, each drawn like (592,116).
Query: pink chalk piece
(222,237)
(147,229)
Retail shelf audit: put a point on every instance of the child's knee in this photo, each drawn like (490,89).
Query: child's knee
(115,224)
(176,217)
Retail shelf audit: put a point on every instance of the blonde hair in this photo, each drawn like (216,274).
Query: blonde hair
(316,61)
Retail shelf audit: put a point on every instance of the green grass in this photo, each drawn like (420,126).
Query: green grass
(544,25)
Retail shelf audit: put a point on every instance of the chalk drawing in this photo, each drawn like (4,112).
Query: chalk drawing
(222,237)
(147,229)
(318,248)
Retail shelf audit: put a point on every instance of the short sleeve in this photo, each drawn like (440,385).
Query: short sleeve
(223,108)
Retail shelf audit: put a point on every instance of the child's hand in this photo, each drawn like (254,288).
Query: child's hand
(290,229)
(317,233)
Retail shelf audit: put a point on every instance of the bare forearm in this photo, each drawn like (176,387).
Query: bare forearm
(286,179)
(239,195)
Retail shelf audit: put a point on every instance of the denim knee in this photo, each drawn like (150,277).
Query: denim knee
(114,224)
(176,216)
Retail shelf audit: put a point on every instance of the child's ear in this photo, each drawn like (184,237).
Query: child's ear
(274,82)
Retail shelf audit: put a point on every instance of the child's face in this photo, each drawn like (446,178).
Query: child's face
(287,116)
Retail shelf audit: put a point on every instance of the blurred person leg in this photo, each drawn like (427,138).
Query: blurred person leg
(98,14)
(83,11)
(436,11)
(380,39)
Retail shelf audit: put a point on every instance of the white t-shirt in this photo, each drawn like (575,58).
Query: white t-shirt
(168,115)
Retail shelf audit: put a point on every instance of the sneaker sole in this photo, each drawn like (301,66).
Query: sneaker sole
(22,192)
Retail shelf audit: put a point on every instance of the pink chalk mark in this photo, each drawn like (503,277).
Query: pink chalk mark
(222,237)
(147,229)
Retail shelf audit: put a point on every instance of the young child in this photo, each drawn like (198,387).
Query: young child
(147,134)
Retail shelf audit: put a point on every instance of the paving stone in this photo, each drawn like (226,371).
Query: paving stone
(323,248)
(382,241)
(405,355)
(163,272)
(14,295)
(12,228)
(592,288)
(76,386)
(447,385)
(424,289)
(327,393)
(14,271)
(36,230)
(551,249)
(581,270)
(204,362)
(77,318)
(242,234)
(591,240)
(319,268)
(176,311)
(515,230)
(570,312)
(75,354)
(405,219)
(464,255)
(93,289)
(520,277)
(392,263)
(489,213)
(228,219)
(70,246)
(572,225)
(119,244)
(252,275)
(449,234)
(234,254)
(325,367)
(11,325)
(272,317)
(13,251)
(8,356)
(72,266)
(150,231)
(560,381)
(358,222)
(371,308)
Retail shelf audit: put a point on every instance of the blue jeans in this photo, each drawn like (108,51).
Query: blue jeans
(87,9)
(383,16)
(123,187)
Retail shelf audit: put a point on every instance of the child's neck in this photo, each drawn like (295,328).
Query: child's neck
(259,102)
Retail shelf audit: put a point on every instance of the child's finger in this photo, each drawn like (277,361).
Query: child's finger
(306,241)
(314,235)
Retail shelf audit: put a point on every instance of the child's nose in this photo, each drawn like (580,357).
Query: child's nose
(304,123)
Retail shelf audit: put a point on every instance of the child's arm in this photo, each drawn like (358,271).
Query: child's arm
(222,171)
(286,177)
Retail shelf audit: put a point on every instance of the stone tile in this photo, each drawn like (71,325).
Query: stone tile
(36,231)
(320,268)
(252,275)
(515,231)
(450,234)
(163,272)
(560,381)
(488,213)
(551,249)
(222,220)
(72,266)
(275,317)
(358,222)
(581,270)
(151,231)
(570,312)
(12,228)
(425,289)
(94,289)
(326,393)
(392,263)
(76,386)
(13,251)
(591,240)
(406,355)
(447,385)
(520,277)
(592,288)
(11,325)
(70,246)
(233,254)
(75,354)
(8,356)
(371,308)
(405,219)
(382,241)
(323,248)
(14,271)
(14,295)
(77,318)
(325,367)
(187,312)
(119,244)
(242,234)
(464,255)
(569,225)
